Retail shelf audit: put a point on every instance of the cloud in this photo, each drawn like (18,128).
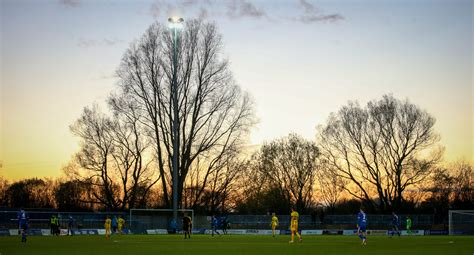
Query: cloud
(305,12)
(244,8)
(233,9)
(88,43)
(83,43)
(331,18)
(111,42)
(311,14)
(155,9)
(308,7)
(70,3)
(203,13)
(163,8)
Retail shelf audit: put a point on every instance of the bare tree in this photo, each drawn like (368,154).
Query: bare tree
(3,188)
(381,149)
(96,148)
(130,152)
(452,185)
(329,185)
(213,190)
(290,163)
(111,160)
(214,115)
(30,193)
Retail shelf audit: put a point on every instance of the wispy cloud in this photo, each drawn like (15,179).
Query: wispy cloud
(244,8)
(84,43)
(159,8)
(305,11)
(111,42)
(203,13)
(70,3)
(331,18)
(232,9)
(311,14)
(88,43)
(308,7)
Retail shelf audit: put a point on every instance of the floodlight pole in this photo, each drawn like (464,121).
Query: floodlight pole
(175,23)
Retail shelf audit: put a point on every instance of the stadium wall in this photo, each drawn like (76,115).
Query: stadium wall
(92,223)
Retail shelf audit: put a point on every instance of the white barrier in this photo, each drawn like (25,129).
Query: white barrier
(312,232)
(244,231)
(377,232)
(236,231)
(346,232)
(413,233)
(157,231)
(349,232)
(46,232)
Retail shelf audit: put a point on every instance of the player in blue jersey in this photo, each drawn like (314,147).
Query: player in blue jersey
(214,225)
(395,225)
(362,226)
(22,224)
(114,225)
(70,224)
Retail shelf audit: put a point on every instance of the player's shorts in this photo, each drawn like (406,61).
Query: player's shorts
(363,228)
(186,227)
(24,226)
(294,227)
(274,225)
(107,229)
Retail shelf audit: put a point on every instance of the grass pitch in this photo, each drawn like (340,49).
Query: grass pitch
(235,244)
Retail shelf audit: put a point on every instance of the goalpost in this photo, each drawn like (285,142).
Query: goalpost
(156,221)
(461,222)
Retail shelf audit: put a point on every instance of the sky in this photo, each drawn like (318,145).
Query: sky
(299,59)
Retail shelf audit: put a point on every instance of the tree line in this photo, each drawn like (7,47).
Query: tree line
(449,186)
(384,155)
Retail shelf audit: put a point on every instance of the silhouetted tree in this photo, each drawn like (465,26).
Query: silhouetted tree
(214,114)
(329,186)
(450,187)
(289,164)
(94,158)
(4,184)
(381,149)
(267,200)
(72,196)
(111,160)
(30,193)
(213,189)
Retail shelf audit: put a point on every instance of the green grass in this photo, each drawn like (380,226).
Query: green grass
(235,244)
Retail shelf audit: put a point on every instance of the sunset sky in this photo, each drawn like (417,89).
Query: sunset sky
(300,61)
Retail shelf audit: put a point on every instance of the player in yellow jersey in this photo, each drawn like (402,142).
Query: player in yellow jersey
(274,224)
(294,225)
(120,223)
(107,225)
